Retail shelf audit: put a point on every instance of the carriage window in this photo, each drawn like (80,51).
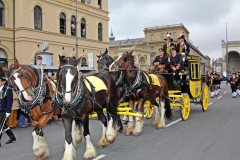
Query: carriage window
(2,23)
(99,31)
(162,36)
(152,37)
(62,23)
(73,26)
(195,71)
(37,18)
(83,28)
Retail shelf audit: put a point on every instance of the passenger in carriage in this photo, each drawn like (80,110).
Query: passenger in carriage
(167,46)
(233,81)
(184,49)
(160,63)
(176,65)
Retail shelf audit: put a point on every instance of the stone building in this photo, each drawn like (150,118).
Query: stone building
(26,24)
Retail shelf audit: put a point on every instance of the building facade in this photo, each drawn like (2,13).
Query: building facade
(231,61)
(26,24)
(208,64)
(218,66)
(147,48)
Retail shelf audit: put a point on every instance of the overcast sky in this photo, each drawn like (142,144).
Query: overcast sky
(204,19)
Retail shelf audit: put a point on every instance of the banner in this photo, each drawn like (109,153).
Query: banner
(90,60)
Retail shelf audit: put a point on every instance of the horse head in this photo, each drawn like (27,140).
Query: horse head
(104,61)
(126,60)
(24,78)
(68,76)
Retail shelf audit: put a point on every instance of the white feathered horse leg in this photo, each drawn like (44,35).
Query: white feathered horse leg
(40,145)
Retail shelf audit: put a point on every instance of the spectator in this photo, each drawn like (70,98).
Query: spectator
(12,121)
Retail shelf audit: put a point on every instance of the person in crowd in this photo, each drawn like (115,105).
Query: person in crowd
(167,46)
(212,85)
(183,48)
(160,63)
(12,121)
(233,81)
(22,119)
(176,65)
(6,101)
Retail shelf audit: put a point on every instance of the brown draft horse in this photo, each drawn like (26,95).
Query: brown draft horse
(35,100)
(78,102)
(141,91)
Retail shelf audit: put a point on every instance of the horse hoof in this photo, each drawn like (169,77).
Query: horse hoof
(90,154)
(102,143)
(136,133)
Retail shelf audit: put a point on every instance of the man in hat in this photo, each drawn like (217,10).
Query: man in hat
(160,62)
(183,48)
(167,46)
(175,64)
(212,85)
(233,81)
(6,100)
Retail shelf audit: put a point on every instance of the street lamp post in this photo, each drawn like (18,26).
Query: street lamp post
(227,64)
(76,30)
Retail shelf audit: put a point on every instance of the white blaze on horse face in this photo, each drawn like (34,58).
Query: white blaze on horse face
(19,84)
(110,67)
(69,79)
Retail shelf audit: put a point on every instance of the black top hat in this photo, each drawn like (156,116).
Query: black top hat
(161,49)
(2,78)
(168,36)
(181,36)
(173,48)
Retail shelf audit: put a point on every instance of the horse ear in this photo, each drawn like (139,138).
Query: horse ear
(131,52)
(98,56)
(106,51)
(78,60)
(16,63)
(4,69)
(61,58)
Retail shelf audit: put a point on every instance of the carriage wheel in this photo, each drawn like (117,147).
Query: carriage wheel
(185,109)
(205,97)
(148,109)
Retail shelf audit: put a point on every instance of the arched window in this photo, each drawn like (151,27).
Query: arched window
(73,26)
(62,23)
(84,62)
(2,20)
(83,28)
(99,4)
(37,17)
(99,31)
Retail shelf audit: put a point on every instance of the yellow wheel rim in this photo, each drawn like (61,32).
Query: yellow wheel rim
(205,98)
(185,109)
(148,110)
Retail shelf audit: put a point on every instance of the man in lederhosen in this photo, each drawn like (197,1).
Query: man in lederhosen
(160,63)
(6,100)
(167,46)
(212,85)
(184,49)
(176,65)
(233,81)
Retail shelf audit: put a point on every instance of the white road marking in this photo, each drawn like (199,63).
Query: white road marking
(219,97)
(99,157)
(173,122)
(210,103)
(224,93)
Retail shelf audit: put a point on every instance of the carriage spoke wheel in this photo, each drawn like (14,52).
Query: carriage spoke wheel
(205,98)
(148,110)
(185,109)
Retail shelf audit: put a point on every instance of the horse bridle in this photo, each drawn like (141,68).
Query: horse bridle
(71,66)
(105,65)
(124,61)
(24,75)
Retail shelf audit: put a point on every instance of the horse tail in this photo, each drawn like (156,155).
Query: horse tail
(168,112)
(113,110)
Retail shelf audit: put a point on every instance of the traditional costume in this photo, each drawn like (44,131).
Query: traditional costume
(233,81)
(183,48)
(161,64)
(167,46)
(212,85)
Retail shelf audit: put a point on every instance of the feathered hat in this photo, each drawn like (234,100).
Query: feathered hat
(161,49)
(168,36)
(181,36)
(173,48)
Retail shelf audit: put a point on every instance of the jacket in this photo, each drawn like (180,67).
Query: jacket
(167,51)
(7,100)
(176,61)
(162,61)
(185,48)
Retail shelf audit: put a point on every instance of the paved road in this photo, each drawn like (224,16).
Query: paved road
(210,135)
